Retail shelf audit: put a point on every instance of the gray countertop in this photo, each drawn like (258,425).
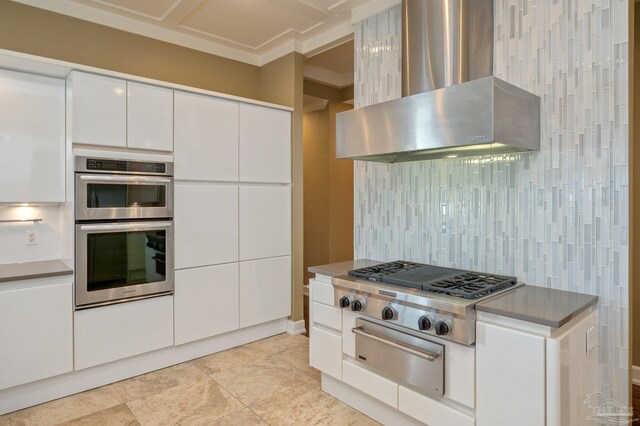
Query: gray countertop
(31,270)
(341,268)
(540,305)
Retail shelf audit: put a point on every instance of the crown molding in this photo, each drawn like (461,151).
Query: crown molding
(146,29)
(371,8)
(124,23)
(323,75)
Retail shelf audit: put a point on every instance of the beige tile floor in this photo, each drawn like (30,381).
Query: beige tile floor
(268,382)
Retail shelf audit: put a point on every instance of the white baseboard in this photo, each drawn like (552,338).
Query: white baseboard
(635,375)
(296,327)
(23,396)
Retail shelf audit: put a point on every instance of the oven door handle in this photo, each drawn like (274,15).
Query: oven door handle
(429,356)
(133,226)
(131,179)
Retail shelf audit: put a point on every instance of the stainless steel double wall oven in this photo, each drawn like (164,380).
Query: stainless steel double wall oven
(124,230)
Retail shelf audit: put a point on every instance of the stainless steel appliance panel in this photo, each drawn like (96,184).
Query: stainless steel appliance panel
(123,260)
(401,357)
(110,197)
(485,116)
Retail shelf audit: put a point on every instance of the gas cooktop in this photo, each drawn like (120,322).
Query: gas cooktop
(435,279)
(426,299)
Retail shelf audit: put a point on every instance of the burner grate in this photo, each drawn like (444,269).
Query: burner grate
(377,272)
(453,282)
(470,285)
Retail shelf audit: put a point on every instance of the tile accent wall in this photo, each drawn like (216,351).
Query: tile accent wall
(557,218)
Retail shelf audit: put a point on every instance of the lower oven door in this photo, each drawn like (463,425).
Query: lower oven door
(401,357)
(118,261)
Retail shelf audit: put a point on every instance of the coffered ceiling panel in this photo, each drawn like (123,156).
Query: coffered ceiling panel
(153,9)
(253,23)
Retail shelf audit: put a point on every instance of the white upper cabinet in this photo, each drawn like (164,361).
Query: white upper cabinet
(265,144)
(98,110)
(206,138)
(32,137)
(206,217)
(149,117)
(265,221)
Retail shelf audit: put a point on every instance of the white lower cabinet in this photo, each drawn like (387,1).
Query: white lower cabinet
(265,290)
(114,332)
(370,383)
(511,375)
(206,302)
(325,351)
(36,340)
(430,411)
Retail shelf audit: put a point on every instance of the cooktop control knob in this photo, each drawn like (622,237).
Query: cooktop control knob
(424,323)
(387,313)
(442,328)
(357,305)
(344,302)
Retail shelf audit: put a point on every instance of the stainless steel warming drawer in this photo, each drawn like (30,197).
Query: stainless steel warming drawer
(400,356)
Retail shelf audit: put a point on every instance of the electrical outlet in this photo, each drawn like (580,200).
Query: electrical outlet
(590,340)
(32,238)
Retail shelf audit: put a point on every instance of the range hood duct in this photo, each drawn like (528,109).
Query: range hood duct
(452,106)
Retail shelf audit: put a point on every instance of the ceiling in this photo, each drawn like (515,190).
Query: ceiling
(251,31)
(333,66)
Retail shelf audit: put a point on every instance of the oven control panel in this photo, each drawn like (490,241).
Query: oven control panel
(112,165)
(423,319)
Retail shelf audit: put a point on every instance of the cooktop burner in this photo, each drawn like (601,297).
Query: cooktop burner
(453,282)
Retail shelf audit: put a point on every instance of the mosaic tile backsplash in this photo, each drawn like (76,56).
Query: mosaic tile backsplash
(556,218)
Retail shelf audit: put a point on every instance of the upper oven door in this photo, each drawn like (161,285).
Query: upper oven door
(108,197)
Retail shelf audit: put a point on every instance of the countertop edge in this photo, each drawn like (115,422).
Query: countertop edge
(537,320)
(43,269)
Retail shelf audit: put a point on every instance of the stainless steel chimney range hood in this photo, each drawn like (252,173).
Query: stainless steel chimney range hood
(452,105)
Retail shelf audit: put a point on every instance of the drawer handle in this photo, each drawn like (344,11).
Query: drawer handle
(430,356)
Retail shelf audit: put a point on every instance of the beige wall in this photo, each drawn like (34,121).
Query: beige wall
(328,191)
(634,167)
(281,82)
(38,32)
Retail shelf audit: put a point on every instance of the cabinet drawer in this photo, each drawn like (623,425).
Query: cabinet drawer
(326,352)
(430,411)
(327,315)
(120,331)
(322,292)
(370,383)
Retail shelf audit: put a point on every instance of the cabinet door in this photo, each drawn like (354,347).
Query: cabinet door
(98,110)
(149,117)
(114,332)
(510,377)
(265,222)
(32,136)
(206,302)
(265,290)
(265,144)
(206,138)
(206,218)
(35,330)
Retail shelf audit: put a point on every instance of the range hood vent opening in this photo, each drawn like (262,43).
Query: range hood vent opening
(452,106)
